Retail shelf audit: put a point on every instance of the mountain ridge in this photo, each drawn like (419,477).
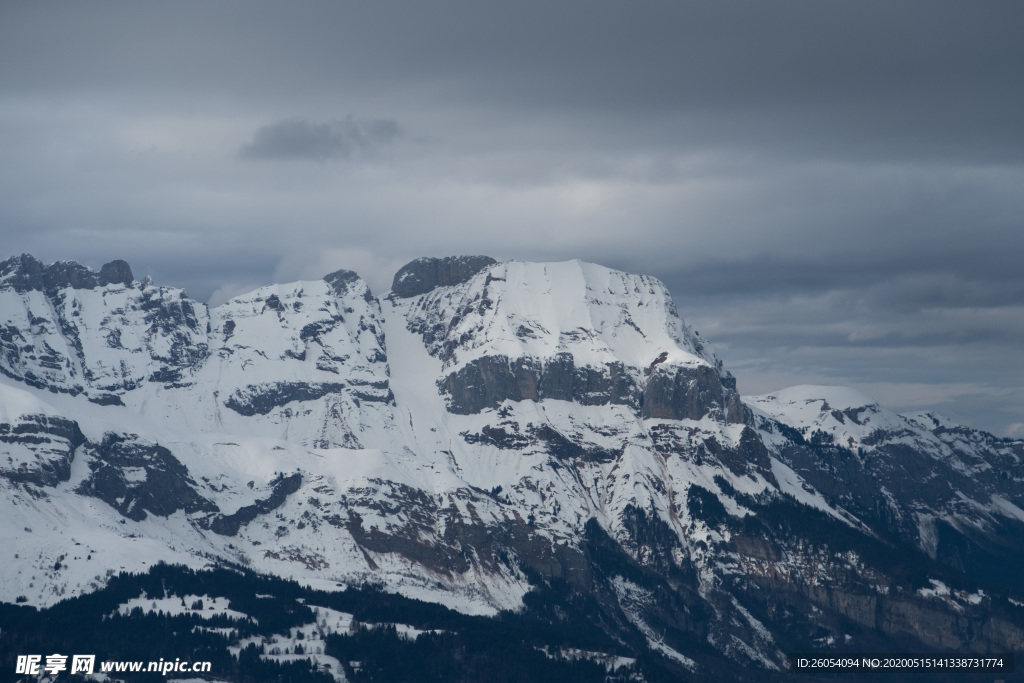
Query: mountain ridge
(490,425)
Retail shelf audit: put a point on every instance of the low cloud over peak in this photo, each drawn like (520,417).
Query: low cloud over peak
(300,140)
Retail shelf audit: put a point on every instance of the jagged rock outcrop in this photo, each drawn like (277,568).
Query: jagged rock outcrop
(491,380)
(22,273)
(947,490)
(117,272)
(109,338)
(691,393)
(38,449)
(26,273)
(71,330)
(136,478)
(281,488)
(341,281)
(425,274)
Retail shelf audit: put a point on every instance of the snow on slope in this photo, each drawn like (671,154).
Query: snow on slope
(850,419)
(598,315)
(433,441)
(907,473)
(101,341)
(294,367)
(300,362)
(67,543)
(846,415)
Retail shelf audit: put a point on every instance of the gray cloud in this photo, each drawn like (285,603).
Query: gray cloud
(295,139)
(832,191)
(923,79)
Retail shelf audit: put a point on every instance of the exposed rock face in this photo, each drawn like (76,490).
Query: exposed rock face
(116,272)
(425,274)
(38,449)
(909,476)
(107,337)
(26,273)
(870,591)
(341,281)
(22,274)
(135,478)
(690,393)
(487,382)
(70,330)
(306,358)
(228,525)
(68,274)
(261,399)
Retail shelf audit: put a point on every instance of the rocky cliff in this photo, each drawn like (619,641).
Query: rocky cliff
(482,431)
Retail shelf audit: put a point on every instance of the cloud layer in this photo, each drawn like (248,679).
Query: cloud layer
(833,192)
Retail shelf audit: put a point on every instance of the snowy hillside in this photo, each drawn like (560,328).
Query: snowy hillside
(481,428)
(913,474)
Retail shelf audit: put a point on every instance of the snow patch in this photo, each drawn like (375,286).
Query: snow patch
(174,606)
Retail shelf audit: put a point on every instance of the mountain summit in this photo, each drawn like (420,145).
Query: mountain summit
(482,430)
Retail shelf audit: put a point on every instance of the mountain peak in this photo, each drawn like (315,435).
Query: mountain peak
(116,272)
(926,419)
(26,273)
(342,280)
(21,273)
(509,424)
(425,274)
(837,398)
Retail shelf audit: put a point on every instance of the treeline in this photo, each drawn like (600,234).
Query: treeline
(508,647)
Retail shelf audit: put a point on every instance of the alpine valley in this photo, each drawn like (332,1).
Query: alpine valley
(495,471)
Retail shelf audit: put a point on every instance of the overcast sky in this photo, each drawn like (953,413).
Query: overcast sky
(833,191)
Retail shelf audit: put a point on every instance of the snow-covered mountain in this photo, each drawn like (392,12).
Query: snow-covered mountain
(483,427)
